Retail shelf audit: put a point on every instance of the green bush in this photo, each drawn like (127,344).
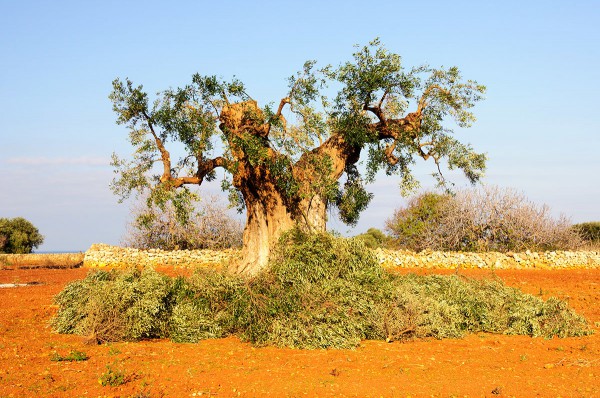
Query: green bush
(205,306)
(115,305)
(374,238)
(413,227)
(319,291)
(18,236)
(589,231)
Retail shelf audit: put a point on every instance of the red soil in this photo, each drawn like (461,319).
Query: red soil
(477,366)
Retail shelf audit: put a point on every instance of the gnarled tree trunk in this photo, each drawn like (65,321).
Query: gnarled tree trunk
(269,210)
(268,215)
(266,219)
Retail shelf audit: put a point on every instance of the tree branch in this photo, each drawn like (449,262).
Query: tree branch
(392,128)
(376,110)
(278,115)
(164,154)
(422,153)
(284,101)
(423,100)
(389,154)
(204,168)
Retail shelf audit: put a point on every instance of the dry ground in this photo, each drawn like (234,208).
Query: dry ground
(482,365)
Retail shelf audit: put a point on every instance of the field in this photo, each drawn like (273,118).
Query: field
(36,362)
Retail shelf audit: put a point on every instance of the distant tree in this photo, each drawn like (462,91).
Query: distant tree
(17,235)
(291,160)
(416,226)
(589,231)
(3,240)
(374,238)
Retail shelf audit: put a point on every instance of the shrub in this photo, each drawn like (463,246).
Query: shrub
(162,227)
(374,238)
(18,236)
(488,219)
(589,231)
(74,356)
(112,377)
(206,305)
(415,226)
(115,305)
(318,292)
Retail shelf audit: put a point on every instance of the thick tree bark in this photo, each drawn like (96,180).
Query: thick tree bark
(265,222)
(269,214)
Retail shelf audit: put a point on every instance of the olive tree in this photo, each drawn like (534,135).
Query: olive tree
(286,163)
(18,236)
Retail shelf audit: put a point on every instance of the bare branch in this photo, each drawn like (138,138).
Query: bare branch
(389,154)
(382,99)
(225,97)
(283,102)
(422,153)
(278,115)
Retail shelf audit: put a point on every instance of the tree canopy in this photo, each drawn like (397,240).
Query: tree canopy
(291,160)
(18,236)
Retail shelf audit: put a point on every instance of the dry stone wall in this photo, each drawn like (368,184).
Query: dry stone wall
(490,260)
(100,255)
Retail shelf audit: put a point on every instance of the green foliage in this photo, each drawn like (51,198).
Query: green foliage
(115,306)
(489,306)
(207,305)
(318,292)
(410,226)
(18,236)
(589,231)
(74,356)
(374,238)
(372,101)
(353,198)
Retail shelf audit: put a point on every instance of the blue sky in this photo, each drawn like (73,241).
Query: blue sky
(539,125)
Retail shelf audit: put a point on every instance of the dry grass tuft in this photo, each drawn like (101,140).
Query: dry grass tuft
(35,260)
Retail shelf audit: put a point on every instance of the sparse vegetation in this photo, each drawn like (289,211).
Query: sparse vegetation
(485,219)
(204,225)
(319,291)
(42,260)
(74,356)
(112,377)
